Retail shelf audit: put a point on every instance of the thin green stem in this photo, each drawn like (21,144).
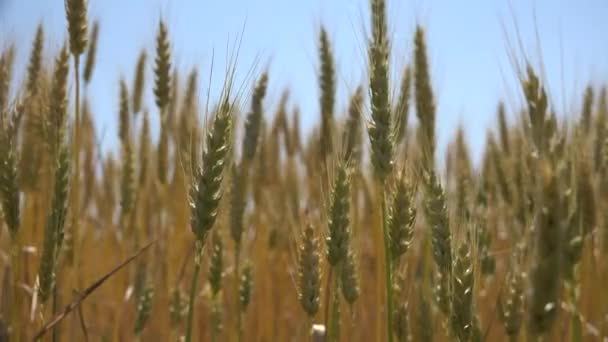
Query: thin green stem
(55,335)
(328,296)
(15,267)
(237,280)
(334,321)
(388,271)
(74,256)
(276,305)
(575,321)
(215,303)
(308,328)
(197,269)
(76,180)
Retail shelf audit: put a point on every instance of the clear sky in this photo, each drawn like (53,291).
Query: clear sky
(467,41)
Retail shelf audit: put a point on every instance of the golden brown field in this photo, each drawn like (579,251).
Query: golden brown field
(231,226)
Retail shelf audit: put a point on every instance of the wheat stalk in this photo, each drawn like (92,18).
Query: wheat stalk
(206,192)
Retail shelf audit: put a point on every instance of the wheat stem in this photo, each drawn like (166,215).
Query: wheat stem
(328,296)
(76,189)
(55,333)
(237,278)
(334,321)
(198,253)
(15,322)
(388,276)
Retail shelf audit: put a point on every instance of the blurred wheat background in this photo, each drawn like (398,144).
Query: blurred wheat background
(264,171)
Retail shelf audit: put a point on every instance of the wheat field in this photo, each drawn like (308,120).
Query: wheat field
(231,225)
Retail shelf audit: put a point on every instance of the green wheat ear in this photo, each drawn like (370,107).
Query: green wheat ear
(401,218)
(587,111)
(401,110)
(35,64)
(424,317)
(253,121)
(435,209)
(536,97)
(190,97)
(144,309)
(600,131)
(237,203)
(207,190)
(128,180)
(178,307)
(124,120)
(380,129)
(76,14)
(144,149)
(511,309)
(463,171)
(463,321)
(401,327)
(9,190)
(349,278)
(139,81)
(309,289)
(246,286)
(216,264)
(425,101)
(339,232)
(7,59)
(91,54)
(58,101)
(545,273)
(54,230)
(162,68)
(353,134)
(503,129)
(327,84)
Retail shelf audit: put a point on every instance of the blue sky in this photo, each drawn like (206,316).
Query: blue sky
(467,41)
